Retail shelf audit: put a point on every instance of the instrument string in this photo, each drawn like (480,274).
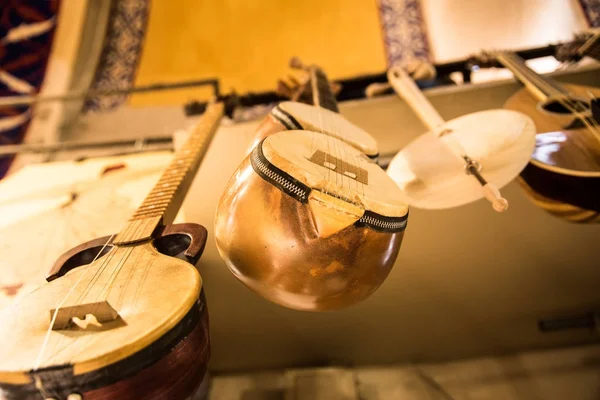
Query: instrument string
(343,154)
(92,282)
(61,303)
(559,93)
(128,234)
(133,228)
(317,102)
(55,314)
(314,135)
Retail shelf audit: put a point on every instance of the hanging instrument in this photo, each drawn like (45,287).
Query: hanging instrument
(321,116)
(308,220)
(584,44)
(124,316)
(459,161)
(58,205)
(563,176)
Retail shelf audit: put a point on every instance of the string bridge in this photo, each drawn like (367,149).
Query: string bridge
(340,166)
(83,315)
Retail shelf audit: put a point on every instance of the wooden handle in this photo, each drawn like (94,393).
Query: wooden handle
(406,88)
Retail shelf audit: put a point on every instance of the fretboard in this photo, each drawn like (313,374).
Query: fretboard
(163,202)
(539,86)
(321,89)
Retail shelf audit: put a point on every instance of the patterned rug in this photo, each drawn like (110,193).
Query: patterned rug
(26,32)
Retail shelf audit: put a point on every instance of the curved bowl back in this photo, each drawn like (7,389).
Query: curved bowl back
(273,247)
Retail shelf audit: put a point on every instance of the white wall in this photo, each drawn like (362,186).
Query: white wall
(459,28)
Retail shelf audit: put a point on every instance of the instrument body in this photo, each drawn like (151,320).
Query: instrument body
(431,177)
(308,220)
(291,115)
(435,170)
(52,197)
(122,316)
(311,247)
(563,176)
(322,116)
(161,333)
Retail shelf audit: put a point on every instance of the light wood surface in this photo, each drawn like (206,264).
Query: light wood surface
(319,119)
(131,279)
(290,151)
(62,204)
(332,214)
(406,88)
(164,200)
(119,304)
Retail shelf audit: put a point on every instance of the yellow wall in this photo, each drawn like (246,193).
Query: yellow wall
(248,44)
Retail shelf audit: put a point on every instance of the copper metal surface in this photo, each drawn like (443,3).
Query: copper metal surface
(270,243)
(267,127)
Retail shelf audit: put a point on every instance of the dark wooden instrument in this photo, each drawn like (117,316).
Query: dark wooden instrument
(563,176)
(584,44)
(308,220)
(124,316)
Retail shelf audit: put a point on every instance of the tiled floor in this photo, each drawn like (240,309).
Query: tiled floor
(561,374)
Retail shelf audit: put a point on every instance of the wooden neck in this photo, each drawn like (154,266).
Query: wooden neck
(163,202)
(542,88)
(591,47)
(406,88)
(321,90)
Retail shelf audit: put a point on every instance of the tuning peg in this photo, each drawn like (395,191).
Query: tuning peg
(296,63)
(377,88)
(283,89)
(420,70)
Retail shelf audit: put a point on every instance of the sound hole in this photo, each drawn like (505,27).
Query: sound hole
(84,257)
(566,107)
(173,245)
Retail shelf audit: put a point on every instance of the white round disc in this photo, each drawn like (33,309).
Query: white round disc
(431,176)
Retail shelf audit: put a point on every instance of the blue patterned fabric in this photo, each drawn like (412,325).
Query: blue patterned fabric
(591,8)
(404,31)
(121,52)
(26,32)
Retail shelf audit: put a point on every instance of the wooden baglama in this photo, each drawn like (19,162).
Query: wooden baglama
(58,205)
(308,220)
(563,176)
(121,317)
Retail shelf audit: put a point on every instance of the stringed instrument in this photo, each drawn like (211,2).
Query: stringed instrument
(124,316)
(323,118)
(584,44)
(58,205)
(462,160)
(308,221)
(563,176)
